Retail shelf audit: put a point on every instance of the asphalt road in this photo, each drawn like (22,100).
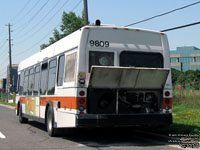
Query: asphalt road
(32,136)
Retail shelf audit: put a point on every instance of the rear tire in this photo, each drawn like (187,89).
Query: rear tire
(21,118)
(50,123)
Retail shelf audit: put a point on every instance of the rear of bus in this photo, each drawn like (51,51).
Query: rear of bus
(124,78)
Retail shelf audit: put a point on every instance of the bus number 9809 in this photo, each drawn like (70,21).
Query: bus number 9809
(97,43)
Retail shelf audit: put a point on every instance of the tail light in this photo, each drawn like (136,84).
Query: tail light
(81,93)
(82,104)
(167,105)
(167,93)
(167,101)
(82,101)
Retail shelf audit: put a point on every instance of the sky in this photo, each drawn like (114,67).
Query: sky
(32,21)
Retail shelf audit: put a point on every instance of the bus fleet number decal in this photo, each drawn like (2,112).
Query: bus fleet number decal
(99,43)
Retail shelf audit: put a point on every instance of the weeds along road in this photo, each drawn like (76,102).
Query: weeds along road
(32,136)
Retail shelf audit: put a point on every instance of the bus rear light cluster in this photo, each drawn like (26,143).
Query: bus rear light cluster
(167,104)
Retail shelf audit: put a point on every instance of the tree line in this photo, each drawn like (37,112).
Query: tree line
(70,23)
(189,79)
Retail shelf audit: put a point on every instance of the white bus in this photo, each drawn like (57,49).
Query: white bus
(98,76)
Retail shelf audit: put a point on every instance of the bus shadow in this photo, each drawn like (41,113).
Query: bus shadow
(114,137)
(119,137)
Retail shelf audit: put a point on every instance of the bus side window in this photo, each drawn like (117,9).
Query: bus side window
(70,67)
(26,74)
(43,78)
(36,80)
(30,84)
(21,82)
(52,77)
(61,63)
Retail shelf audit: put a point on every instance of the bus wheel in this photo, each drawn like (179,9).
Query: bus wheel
(21,118)
(50,122)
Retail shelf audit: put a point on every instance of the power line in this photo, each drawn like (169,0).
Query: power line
(24,36)
(32,18)
(36,44)
(3,44)
(179,27)
(4,73)
(4,53)
(3,62)
(26,4)
(38,11)
(47,22)
(50,19)
(77,5)
(3,37)
(32,8)
(163,14)
(2,30)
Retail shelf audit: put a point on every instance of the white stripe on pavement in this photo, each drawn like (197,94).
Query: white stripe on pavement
(2,136)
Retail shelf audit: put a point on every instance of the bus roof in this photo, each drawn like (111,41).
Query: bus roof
(69,42)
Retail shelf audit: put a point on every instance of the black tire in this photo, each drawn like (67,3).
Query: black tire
(50,123)
(21,118)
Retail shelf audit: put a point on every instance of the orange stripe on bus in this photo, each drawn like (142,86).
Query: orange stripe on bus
(22,99)
(65,102)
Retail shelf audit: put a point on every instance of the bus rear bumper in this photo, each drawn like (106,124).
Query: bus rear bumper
(94,120)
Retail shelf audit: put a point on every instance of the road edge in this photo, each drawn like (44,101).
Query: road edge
(7,106)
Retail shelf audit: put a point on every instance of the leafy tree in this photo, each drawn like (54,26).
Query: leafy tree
(189,79)
(70,23)
(175,75)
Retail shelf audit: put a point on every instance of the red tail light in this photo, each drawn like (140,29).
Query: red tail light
(167,93)
(81,93)
(82,101)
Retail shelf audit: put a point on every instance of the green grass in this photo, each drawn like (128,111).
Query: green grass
(186,119)
(186,113)
(5,96)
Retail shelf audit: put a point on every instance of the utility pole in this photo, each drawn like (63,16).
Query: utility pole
(86,12)
(10,61)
